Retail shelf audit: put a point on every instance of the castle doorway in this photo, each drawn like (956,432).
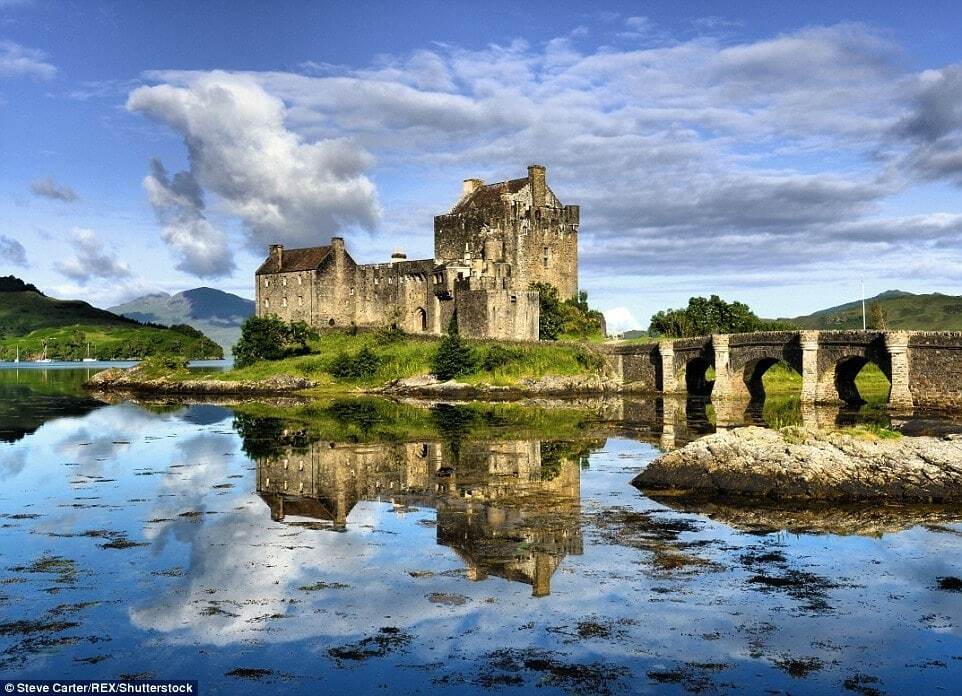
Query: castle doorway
(422,319)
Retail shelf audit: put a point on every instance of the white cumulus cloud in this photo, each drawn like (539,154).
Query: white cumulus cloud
(20,61)
(201,249)
(283,187)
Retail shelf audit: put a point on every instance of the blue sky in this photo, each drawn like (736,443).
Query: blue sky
(775,153)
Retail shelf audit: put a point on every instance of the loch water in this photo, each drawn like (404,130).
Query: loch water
(354,545)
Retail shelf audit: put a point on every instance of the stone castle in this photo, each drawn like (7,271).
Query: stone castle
(495,243)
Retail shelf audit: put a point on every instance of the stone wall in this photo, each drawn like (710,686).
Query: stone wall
(935,368)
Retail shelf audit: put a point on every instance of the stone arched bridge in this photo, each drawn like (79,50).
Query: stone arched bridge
(923,367)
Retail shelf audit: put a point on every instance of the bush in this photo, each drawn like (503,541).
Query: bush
(364,364)
(454,357)
(269,338)
(386,335)
(499,356)
(589,360)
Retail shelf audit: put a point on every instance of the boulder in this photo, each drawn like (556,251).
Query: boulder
(795,464)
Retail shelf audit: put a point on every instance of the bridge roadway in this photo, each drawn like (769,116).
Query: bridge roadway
(923,367)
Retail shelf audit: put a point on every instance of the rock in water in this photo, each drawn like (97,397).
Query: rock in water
(793,463)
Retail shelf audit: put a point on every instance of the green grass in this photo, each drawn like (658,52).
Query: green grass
(871,431)
(871,382)
(408,357)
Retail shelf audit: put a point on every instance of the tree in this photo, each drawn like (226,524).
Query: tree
(551,322)
(270,338)
(878,316)
(453,357)
(704,316)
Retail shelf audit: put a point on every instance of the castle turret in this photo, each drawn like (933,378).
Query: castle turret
(537,177)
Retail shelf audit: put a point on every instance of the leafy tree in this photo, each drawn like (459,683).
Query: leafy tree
(704,316)
(562,318)
(878,316)
(270,338)
(551,323)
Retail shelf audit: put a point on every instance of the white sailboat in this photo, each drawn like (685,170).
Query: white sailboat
(45,359)
(88,358)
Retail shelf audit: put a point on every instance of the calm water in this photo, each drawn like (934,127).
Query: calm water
(355,545)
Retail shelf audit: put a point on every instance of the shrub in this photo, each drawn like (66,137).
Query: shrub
(269,338)
(386,335)
(589,360)
(364,364)
(453,357)
(499,356)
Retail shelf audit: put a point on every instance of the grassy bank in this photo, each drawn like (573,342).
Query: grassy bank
(496,363)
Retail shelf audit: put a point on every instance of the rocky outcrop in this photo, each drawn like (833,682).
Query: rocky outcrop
(130,381)
(796,464)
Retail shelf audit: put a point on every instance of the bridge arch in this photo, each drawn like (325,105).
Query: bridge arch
(753,374)
(838,381)
(694,374)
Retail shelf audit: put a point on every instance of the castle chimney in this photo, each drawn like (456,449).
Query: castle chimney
(337,244)
(277,253)
(398,255)
(470,186)
(536,179)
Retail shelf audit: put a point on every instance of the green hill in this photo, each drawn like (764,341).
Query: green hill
(216,313)
(902,310)
(29,319)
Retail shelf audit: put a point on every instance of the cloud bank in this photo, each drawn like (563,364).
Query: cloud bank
(283,187)
(91,260)
(48,188)
(20,61)
(12,251)
(202,250)
(702,161)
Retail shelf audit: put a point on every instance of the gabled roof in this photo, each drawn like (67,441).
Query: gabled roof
(489,194)
(307,259)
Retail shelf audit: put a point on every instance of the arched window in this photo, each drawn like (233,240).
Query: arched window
(422,319)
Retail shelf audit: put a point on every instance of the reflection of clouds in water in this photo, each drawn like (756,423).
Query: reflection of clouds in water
(12,460)
(99,438)
(256,566)
(197,465)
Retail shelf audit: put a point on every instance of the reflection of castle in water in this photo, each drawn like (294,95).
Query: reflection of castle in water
(508,508)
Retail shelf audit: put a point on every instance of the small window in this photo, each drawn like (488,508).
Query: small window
(514,299)
(284,281)
(352,292)
(267,303)
(330,322)
(300,280)
(284,302)
(300,300)
(267,282)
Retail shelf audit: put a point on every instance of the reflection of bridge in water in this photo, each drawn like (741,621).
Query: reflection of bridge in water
(923,367)
(509,509)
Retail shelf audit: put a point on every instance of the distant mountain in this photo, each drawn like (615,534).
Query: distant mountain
(216,313)
(903,310)
(29,320)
